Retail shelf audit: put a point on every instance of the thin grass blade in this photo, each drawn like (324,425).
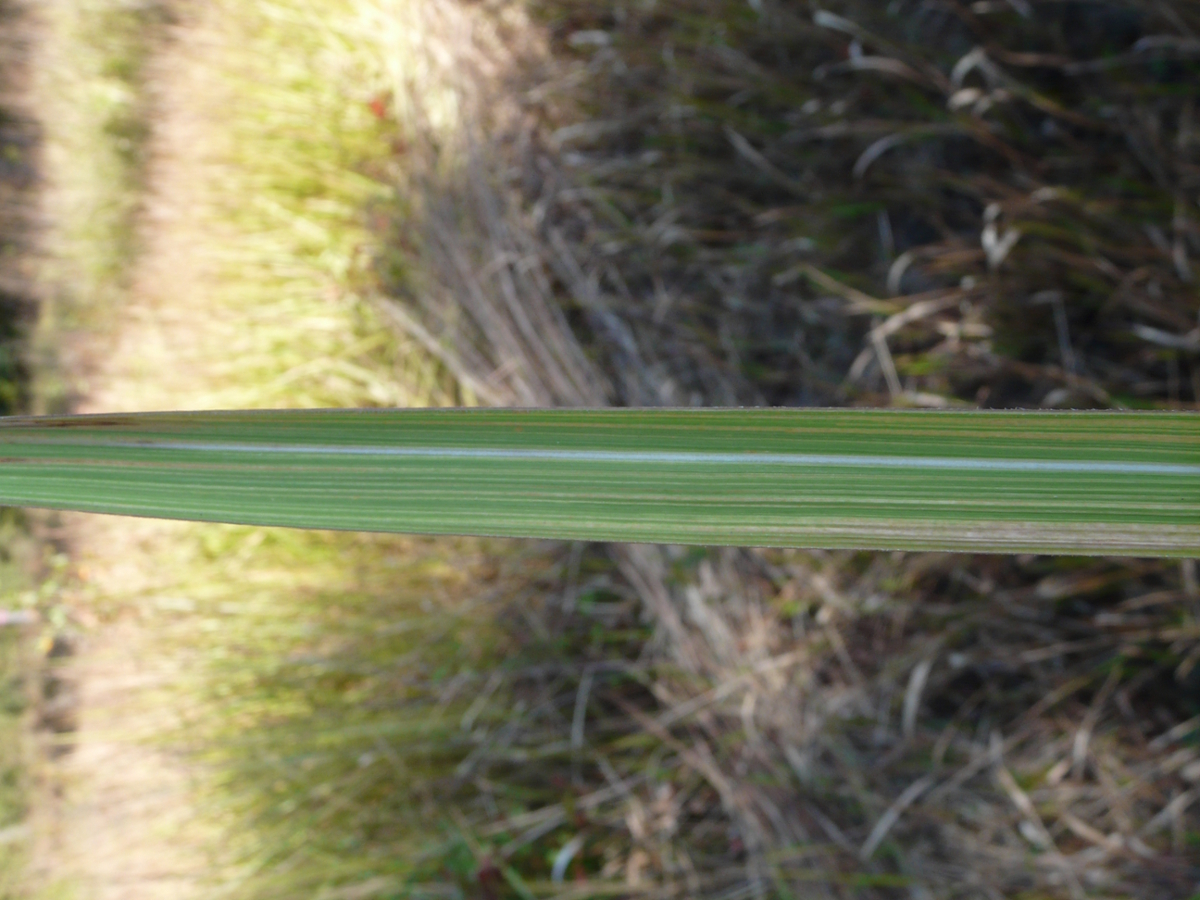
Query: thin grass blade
(1087,482)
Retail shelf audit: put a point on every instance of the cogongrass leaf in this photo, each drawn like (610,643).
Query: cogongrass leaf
(1085,482)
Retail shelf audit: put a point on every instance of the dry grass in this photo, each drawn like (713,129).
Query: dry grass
(751,204)
(884,146)
(706,723)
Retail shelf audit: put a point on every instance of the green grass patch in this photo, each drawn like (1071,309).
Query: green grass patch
(13,786)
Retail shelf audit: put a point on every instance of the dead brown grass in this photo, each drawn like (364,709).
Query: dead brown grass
(765,203)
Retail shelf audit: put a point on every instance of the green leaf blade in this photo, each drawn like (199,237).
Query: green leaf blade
(1111,483)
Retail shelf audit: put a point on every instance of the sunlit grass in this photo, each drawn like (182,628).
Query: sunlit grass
(92,110)
(295,171)
(272,306)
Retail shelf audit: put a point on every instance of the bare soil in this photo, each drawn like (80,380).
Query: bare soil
(115,814)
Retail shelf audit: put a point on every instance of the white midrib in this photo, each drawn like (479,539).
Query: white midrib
(665,457)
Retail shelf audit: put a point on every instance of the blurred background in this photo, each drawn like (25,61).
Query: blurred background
(309,203)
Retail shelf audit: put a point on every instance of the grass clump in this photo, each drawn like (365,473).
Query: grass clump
(522,730)
(866,204)
(304,145)
(94,116)
(14,793)
(992,175)
(280,96)
(360,732)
